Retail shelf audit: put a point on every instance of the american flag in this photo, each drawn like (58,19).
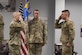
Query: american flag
(24,48)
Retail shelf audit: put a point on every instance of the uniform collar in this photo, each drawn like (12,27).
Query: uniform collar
(36,20)
(67,19)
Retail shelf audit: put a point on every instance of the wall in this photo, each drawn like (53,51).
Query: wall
(47,9)
(7,18)
(75,7)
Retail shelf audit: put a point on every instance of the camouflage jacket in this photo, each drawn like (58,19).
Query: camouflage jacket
(67,30)
(37,32)
(15,28)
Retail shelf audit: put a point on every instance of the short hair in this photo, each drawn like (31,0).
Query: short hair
(35,10)
(66,11)
(15,13)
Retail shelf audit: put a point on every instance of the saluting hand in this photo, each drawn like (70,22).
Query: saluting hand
(20,19)
(60,18)
(68,44)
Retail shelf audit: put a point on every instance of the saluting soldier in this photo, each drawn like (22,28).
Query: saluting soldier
(15,27)
(67,32)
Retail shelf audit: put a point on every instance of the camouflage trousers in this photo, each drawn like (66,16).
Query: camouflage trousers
(1,39)
(1,35)
(35,49)
(14,49)
(66,50)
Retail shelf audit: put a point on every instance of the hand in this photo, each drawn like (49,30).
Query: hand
(68,45)
(20,19)
(60,18)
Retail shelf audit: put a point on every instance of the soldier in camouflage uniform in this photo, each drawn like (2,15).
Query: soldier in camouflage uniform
(37,34)
(1,29)
(15,27)
(67,32)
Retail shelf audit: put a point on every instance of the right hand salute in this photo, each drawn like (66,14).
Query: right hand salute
(59,18)
(20,19)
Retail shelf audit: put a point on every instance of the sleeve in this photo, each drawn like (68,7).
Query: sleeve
(57,24)
(45,33)
(27,33)
(15,28)
(71,32)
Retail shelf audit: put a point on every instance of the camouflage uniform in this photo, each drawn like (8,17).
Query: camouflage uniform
(15,42)
(67,35)
(1,29)
(37,36)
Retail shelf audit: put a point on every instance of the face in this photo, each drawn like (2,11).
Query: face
(36,14)
(64,15)
(16,16)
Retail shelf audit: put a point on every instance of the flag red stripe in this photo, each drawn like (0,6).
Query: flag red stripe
(23,50)
(22,39)
(23,46)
